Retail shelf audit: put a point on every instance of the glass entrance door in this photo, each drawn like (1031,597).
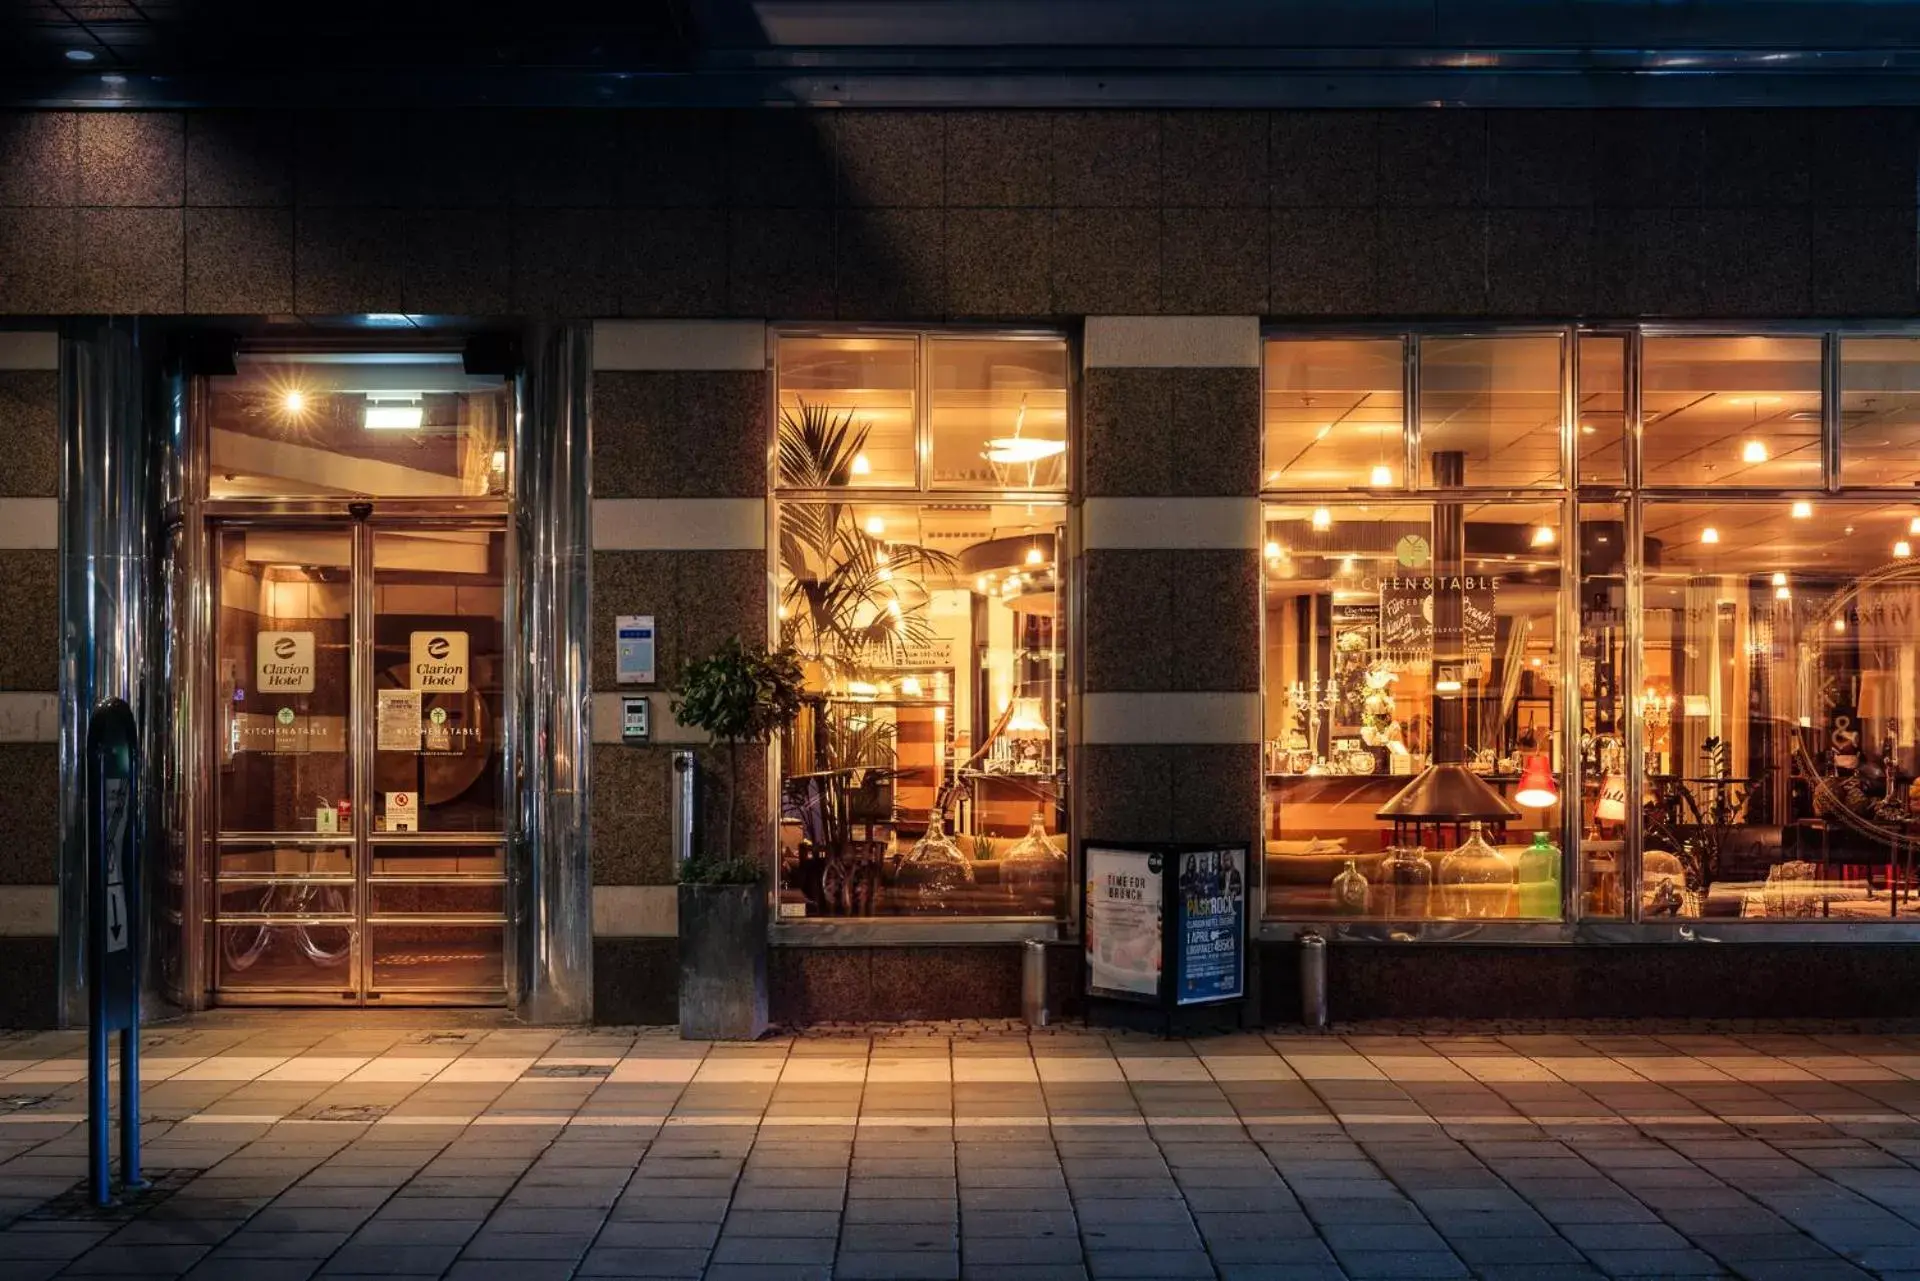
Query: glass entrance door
(359,810)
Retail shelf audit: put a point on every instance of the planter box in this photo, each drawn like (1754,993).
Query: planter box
(723,962)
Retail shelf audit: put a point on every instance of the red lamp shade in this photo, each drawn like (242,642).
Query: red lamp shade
(1537,788)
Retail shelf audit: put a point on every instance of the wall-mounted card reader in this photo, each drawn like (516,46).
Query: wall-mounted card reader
(636,722)
(633,638)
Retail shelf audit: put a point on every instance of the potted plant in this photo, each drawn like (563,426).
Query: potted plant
(738,694)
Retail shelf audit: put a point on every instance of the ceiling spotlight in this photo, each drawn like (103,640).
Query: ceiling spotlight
(1382,475)
(1902,549)
(1783,593)
(1543,536)
(1322,520)
(81,55)
(1913,526)
(1709,535)
(1753,452)
(861,466)
(1803,510)
(294,402)
(876,526)
(1779,579)
(1034,557)
(1586,429)
(1273,551)
(980,584)
(1839,623)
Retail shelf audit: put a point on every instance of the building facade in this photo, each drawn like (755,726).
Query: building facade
(1118,475)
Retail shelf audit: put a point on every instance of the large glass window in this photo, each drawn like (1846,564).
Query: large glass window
(1336,413)
(927,773)
(1415,739)
(358,424)
(1880,411)
(1730,411)
(1490,410)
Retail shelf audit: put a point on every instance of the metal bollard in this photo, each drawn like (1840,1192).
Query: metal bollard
(683,806)
(1313,980)
(1033,983)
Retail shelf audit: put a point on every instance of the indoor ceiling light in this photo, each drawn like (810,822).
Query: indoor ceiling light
(980,584)
(1382,475)
(876,526)
(1273,551)
(80,55)
(1783,593)
(1803,510)
(1913,526)
(910,686)
(1034,556)
(1779,579)
(1586,429)
(1753,452)
(390,417)
(1322,519)
(1903,549)
(1022,449)
(1709,535)
(1447,685)
(1543,536)
(1839,624)
(294,402)
(861,466)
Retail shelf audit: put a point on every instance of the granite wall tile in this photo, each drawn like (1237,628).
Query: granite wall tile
(634,583)
(1106,159)
(1325,262)
(672,262)
(239,158)
(36,261)
(1648,158)
(781,263)
(890,158)
(30,626)
(629,813)
(1106,262)
(1214,620)
(672,159)
(1172,432)
(129,260)
(1646,262)
(458,262)
(1214,159)
(30,997)
(1126,791)
(1754,158)
(239,261)
(132,158)
(821,984)
(1863,262)
(749,817)
(680,434)
(30,424)
(1215,792)
(1537,158)
(377,159)
(1129,622)
(636,981)
(890,264)
(999,158)
(720,595)
(946,982)
(1128,416)
(1863,156)
(1540,262)
(39,157)
(998,261)
(1433,261)
(30,811)
(1433,158)
(564,159)
(780,159)
(1327,159)
(1755,262)
(563,262)
(1213,262)
(348,260)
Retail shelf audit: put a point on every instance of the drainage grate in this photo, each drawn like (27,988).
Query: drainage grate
(24,1102)
(342,1112)
(559,1070)
(443,1038)
(76,1203)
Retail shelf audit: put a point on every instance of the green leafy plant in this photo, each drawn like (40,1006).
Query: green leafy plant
(738,694)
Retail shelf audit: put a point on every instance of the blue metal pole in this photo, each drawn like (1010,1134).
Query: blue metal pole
(98,1110)
(136,936)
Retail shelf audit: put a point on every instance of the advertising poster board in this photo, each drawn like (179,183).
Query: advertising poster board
(1210,931)
(1123,927)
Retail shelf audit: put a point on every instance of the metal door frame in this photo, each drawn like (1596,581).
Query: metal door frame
(362,522)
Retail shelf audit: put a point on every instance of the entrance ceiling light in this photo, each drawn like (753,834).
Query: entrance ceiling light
(1753,452)
(1014,450)
(391,416)
(1803,510)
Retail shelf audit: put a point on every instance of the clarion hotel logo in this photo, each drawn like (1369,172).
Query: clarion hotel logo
(283,663)
(439,662)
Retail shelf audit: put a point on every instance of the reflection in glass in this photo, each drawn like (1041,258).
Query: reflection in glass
(1731,411)
(1335,413)
(1496,403)
(396,424)
(1880,411)
(998,413)
(1400,635)
(1782,666)
(1601,429)
(847,410)
(1605,706)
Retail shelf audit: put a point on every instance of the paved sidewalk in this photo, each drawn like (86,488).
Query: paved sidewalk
(287,1146)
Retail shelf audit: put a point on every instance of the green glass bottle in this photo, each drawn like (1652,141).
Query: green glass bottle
(1540,878)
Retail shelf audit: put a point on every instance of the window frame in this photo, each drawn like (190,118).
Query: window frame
(880,931)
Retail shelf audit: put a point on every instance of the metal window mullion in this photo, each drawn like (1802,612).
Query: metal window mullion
(1632,415)
(1830,369)
(1572,861)
(1631,680)
(361,693)
(922,419)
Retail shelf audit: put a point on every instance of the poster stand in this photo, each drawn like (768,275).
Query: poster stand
(1164,934)
(114,943)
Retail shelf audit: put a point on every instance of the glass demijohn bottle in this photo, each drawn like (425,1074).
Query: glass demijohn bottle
(1350,891)
(1475,882)
(1540,878)
(934,869)
(1406,880)
(1035,870)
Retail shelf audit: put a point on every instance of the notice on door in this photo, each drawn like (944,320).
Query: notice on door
(399,720)
(283,663)
(1123,938)
(439,662)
